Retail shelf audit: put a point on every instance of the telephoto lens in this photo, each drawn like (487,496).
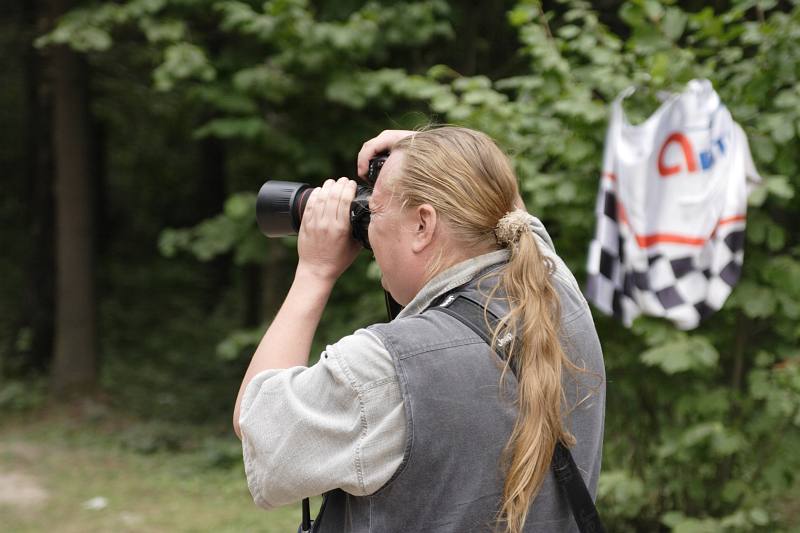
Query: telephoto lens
(280,205)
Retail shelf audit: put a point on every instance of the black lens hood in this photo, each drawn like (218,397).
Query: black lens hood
(279,207)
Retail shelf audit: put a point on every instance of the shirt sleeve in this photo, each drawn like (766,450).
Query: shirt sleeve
(337,424)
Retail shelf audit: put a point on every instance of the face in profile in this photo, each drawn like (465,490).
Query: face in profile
(390,231)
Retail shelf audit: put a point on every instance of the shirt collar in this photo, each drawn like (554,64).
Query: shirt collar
(453,277)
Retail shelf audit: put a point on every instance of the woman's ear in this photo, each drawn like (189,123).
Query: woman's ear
(425,221)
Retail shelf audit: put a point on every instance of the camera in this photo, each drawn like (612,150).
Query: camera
(280,205)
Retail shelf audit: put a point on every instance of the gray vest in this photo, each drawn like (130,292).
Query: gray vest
(459,420)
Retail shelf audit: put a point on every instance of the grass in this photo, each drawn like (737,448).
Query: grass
(152,477)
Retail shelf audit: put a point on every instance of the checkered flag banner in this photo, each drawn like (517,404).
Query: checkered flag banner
(669,240)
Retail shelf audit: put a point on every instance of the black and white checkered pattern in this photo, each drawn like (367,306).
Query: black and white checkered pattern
(684,289)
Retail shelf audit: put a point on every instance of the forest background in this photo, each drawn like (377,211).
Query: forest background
(134,283)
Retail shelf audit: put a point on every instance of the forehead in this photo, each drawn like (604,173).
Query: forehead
(391,169)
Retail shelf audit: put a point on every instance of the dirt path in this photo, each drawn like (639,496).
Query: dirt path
(21,490)
(18,488)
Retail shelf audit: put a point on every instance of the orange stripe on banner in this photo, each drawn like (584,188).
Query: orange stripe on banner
(610,175)
(729,220)
(646,241)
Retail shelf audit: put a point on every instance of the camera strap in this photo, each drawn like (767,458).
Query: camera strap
(568,477)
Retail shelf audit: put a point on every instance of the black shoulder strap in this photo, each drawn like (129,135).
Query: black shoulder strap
(569,480)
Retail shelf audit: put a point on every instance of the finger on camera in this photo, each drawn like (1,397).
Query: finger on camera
(382,142)
(368,150)
(310,211)
(347,190)
(328,185)
(328,196)
(343,198)
(312,201)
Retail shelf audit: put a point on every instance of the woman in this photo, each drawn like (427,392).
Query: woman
(418,425)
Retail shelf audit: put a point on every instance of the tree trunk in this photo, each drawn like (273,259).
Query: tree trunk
(38,306)
(75,359)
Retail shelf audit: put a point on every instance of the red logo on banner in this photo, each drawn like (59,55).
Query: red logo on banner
(688,155)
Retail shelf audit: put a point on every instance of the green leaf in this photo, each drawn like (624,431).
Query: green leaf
(759,516)
(632,14)
(233,127)
(473,83)
(691,353)
(756,301)
(222,98)
(780,129)
(240,206)
(444,102)
(89,39)
(265,81)
(347,91)
(779,186)
(757,196)
(623,491)
(441,72)
(170,241)
(162,30)
(733,490)
(674,23)
(569,31)
(521,14)
(182,61)
(653,9)
(236,343)
(776,237)
(788,99)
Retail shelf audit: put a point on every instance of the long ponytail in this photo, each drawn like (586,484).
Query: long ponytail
(538,359)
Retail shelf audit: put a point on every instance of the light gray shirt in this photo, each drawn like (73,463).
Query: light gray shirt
(341,423)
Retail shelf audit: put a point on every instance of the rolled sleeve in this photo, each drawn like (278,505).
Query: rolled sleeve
(305,430)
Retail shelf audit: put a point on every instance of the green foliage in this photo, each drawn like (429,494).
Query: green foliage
(702,428)
(626,493)
(235,344)
(688,353)
(182,61)
(21,396)
(230,231)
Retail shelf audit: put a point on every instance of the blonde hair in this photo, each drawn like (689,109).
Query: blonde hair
(470,183)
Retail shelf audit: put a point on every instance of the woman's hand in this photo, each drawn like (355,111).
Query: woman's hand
(325,244)
(384,141)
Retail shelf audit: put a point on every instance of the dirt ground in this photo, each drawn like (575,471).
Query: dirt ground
(19,488)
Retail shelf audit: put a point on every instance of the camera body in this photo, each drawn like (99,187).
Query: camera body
(280,205)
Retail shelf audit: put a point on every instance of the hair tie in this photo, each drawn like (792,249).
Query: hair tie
(511,226)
